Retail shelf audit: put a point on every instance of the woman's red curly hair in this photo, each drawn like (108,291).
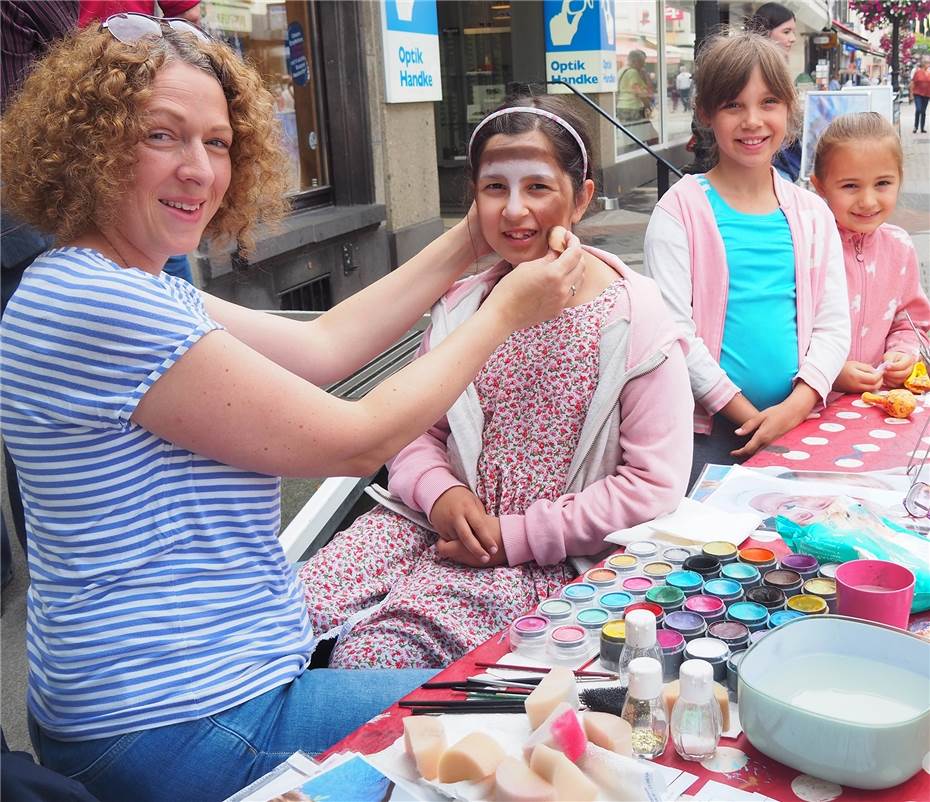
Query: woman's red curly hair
(69,135)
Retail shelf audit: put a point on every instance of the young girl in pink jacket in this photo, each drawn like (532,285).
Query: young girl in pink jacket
(573,429)
(858,171)
(751,265)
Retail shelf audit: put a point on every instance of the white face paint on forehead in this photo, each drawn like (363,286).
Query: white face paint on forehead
(515,171)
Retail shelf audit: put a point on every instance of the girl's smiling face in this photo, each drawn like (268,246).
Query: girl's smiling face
(785,35)
(521,193)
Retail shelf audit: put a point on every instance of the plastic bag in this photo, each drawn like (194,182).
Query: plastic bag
(847,530)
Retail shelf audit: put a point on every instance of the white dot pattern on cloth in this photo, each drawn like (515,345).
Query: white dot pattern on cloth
(848,415)
(847,462)
(814,441)
(832,427)
(795,456)
(918,454)
(726,760)
(896,421)
(866,448)
(860,403)
(881,434)
(812,789)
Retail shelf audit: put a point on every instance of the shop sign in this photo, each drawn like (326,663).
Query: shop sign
(410,34)
(230,16)
(580,45)
(296,50)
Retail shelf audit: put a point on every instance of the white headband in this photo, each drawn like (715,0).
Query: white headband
(542,113)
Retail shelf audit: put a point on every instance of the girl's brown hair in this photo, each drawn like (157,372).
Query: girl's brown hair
(69,136)
(865,125)
(723,67)
(564,146)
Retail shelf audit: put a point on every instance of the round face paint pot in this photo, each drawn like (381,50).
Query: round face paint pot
(728,590)
(528,635)
(676,555)
(759,634)
(614,603)
(667,597)
(824,588)
(732,633)
(828,570)
(754,616)
(733,662)
(672,645)
(780,617)
(602,578)
(623,564)
(707,567)
(637,586)
(579,594)
(643,549)
(787,581)
(557,611)
(723,551)
(657,571)
(688,582)
(809,605)
(568,643)
(655,609)
(710,608)
(804,564)
(688,625)
(713,651)
(613,636)
(591,620)
(747,575)
(769,597)
(763,559)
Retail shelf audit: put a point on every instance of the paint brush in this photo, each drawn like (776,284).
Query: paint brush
(462,703)
(476,685)
(451,711)
(543,670)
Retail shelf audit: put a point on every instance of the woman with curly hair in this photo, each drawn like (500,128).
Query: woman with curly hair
(167,636)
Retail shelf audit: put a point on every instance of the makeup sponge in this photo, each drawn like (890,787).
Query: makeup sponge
(609,732)
(557,686)
(568,780)
(424,741)
(562,730)
(517,782)
(473,758)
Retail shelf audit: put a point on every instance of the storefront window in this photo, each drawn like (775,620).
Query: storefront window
(281,39)
(637,71)
(679,69)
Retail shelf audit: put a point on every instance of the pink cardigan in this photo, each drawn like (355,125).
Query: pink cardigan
(634,466)
(883,279)
(685,254)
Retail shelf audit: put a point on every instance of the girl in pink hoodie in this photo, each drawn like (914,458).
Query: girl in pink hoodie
(858,171)
(573,429)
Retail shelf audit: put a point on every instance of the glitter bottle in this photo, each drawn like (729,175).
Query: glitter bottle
(644,709)
(696,720)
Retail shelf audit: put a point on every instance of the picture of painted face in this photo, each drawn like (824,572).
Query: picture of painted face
(861,184)
(521,192)
(750,128)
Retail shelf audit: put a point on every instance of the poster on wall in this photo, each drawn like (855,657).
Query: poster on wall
(581,44)
(410,34)
(819,109)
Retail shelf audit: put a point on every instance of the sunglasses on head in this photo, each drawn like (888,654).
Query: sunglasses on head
(131,27)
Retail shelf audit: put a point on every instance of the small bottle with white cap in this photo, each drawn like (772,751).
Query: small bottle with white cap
(644,709)
(696,718)
(640,641)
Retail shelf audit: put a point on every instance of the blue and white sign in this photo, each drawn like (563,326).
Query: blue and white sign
(410,33)
(580,44)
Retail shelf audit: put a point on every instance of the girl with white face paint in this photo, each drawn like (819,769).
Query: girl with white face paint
(538,460)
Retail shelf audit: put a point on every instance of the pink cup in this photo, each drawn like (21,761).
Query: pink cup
(875,590)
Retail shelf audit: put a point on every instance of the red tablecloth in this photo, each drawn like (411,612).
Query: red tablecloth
(846,436)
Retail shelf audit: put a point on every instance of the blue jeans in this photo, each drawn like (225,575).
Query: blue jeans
(212,758)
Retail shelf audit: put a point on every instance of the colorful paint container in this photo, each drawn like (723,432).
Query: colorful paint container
(602,578)
(710,608)
(747,575)
(591,620)
(707,567)
(637,586)
(676,555)
(763,559)
(713,651)
(672,645)
(752,615)
(824,588)
(733,662)
(728,590)
(804,564)
(688,582)
(643,549)
(580,594)
(828,570)
(568,644)
(614,603)
(689,625)
(613,636)
(528,635)
(787,581)
(723,551)
(623,564)
(768,597)
(556,611)
(809,605)
(653,608)
(658,570)
(732,633)
(780,617)
(759,634)
(667,597)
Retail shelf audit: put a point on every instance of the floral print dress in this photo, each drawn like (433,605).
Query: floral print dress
(534,392)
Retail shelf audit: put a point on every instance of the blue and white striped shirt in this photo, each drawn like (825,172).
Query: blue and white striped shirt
(159,591)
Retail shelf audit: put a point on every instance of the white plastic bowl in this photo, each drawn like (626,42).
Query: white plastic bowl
(839,698)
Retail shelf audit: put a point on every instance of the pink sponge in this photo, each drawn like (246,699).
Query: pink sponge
(562,730)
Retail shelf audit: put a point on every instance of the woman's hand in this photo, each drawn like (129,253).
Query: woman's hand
(536,291)
(455,550)
(561,239)
(858,377)
(772,422)
(459,517)
(898,367)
